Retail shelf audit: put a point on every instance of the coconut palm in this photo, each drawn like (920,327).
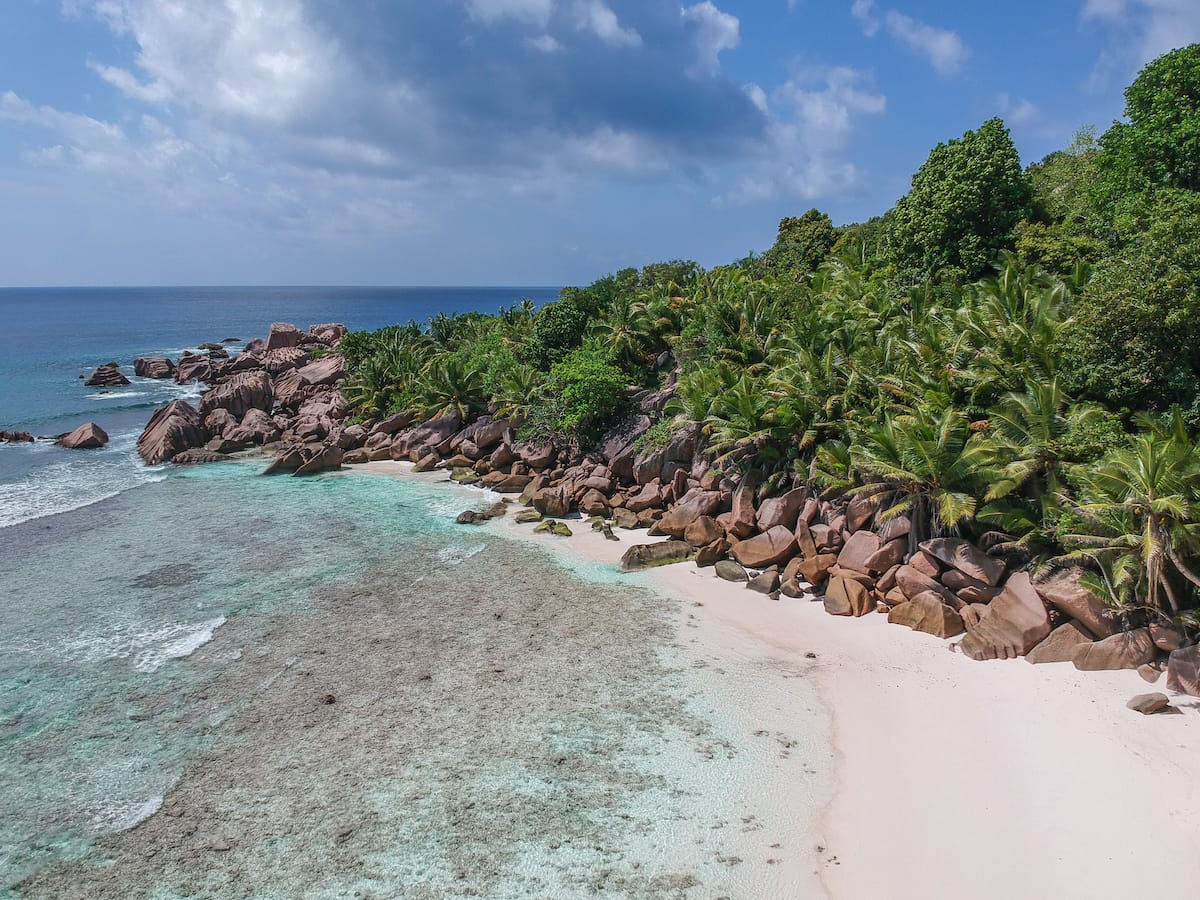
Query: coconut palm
(446,384)
(927,464)
(1029,431)
(1140,514)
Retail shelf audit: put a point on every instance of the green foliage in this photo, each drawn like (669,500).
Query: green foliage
(801,245)
(1140,508)
(581,396)
(656,437)
(1135,341)
(964,203)
(1161,142)
(557,330)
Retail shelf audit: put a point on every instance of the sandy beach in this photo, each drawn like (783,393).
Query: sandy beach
(1000,779)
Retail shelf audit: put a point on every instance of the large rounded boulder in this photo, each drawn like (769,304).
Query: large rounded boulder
(171,430)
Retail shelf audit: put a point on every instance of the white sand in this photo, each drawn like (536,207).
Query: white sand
(957,778)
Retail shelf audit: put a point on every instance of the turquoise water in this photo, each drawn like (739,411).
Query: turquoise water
(219,685)
(501,724)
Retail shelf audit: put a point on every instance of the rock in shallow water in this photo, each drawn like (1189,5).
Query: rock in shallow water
(86,437)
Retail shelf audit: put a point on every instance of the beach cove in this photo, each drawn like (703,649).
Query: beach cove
(999,778)
(462,716)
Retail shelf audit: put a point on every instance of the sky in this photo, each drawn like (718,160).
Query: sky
(522,142)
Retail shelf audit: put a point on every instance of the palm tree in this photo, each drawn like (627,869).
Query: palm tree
(626,329)
(1141,516)
(928,464)
(447,384)
(1029,432)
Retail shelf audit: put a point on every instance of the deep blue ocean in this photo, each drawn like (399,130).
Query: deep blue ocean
(217,685)
(49,337)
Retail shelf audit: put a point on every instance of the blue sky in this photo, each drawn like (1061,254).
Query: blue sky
(507,141)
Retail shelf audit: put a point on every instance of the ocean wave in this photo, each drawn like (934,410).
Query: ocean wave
(150,647)
(76,481)
(454,556)
(117,395)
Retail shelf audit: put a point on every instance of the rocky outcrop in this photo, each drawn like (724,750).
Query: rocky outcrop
(768,549)
(256,427)
(858,551)
(172,429)
(192,367)
(328,370)
(728,570)
(107,375)
(847,595)
(928,614)
(239,394)
(1014,623)
(328,333)
(1126,650)
(86,437)
(153,367)
(16,437)
(282,335)
(1061,589)
(966,558)
(1060,645)
(1183,671)
(688,509)
(781,510)
(323,459)
(427,436)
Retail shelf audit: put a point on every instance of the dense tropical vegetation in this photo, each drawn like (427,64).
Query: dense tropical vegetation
(1012,355)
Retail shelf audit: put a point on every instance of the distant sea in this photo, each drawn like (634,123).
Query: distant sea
(327,687)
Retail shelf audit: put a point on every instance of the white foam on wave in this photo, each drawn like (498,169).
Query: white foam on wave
(180,641)
(124,818)
(117,395)
(76,481)
(149,647)
(454,556)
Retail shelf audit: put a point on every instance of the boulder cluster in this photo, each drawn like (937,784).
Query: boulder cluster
(276,391)
(777,539)
(845,552)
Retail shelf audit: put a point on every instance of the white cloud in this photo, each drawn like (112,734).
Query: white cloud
(1139,31)
(546,43)
(1103,9)
(944,49)
(715,31)
(814,118)
(758,97)
(128,84)
(864,12)
(1017,111)
(531,12)
(596,17)
(259,60)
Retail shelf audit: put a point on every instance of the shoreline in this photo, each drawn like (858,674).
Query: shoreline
(1004,776)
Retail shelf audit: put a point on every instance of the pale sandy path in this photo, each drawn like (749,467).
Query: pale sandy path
(964,779)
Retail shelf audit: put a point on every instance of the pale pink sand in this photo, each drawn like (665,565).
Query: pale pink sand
(965,779)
